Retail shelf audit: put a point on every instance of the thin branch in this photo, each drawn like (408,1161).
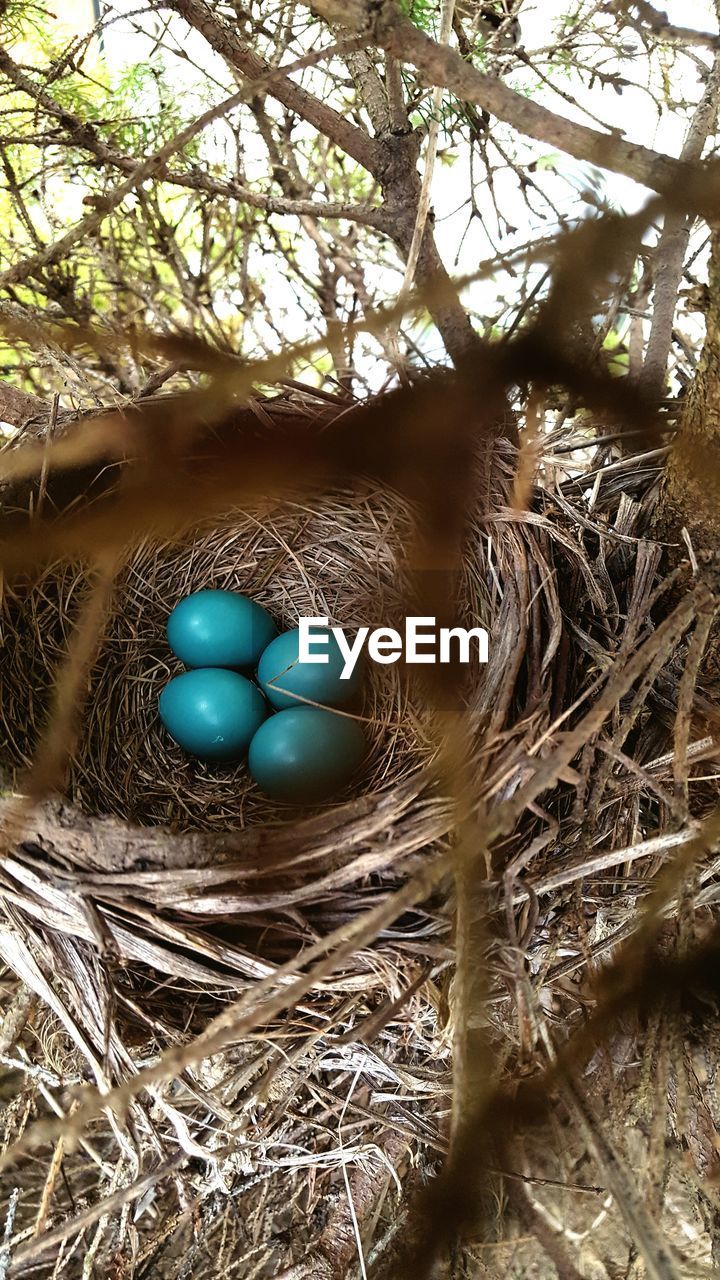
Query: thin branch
(18,407)
(391,160)
(110,1204)
(672,245)
(441,65)
(446,17)
(106,203)
(226,41)
(85,136)
(663,29)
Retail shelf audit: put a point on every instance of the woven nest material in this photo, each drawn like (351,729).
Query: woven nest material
(341,558)
(135,936)
(343,555)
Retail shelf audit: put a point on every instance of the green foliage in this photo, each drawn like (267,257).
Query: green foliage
(548,162)
(197,257)
(137,131)
(135,106)
(21,19)
(137,109)
(616,354)
(422,13)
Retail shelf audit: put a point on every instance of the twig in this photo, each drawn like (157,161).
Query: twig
(42,482)
(442,65)
(669,255)
(7,1234)
(591,866)
(668,32)
(446,17)
(52,253)
(686,692)
(37,1247)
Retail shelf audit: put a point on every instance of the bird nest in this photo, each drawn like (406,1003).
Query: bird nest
(155,890)
(278,982)
(199,842)
(341,557)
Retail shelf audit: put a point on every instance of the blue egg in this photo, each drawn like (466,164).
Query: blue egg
(219,629)
(281,674)
(212,713)
(305,754)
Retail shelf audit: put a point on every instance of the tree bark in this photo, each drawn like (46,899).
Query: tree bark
(670,253)
(18,407)
(388,29)
(689,505)
(691,485)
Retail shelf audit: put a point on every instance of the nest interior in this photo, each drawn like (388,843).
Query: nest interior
(340,557)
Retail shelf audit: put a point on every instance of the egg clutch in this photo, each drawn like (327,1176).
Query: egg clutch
(247,693)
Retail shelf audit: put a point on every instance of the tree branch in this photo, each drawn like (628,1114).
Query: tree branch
(441,65)
(392,160)
(85,136)
(105,204)
(153,163)
(372,91)
(226,41)
(17,407)
(108,847)
(672,245)
(446,17)
(663,29)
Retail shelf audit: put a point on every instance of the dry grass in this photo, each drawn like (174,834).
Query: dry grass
(271,996)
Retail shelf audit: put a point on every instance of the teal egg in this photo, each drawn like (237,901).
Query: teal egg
(305,754)
(280,670)
(212,713)
(219,629)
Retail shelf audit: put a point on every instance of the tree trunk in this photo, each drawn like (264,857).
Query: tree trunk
(689,505)
(690,491)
